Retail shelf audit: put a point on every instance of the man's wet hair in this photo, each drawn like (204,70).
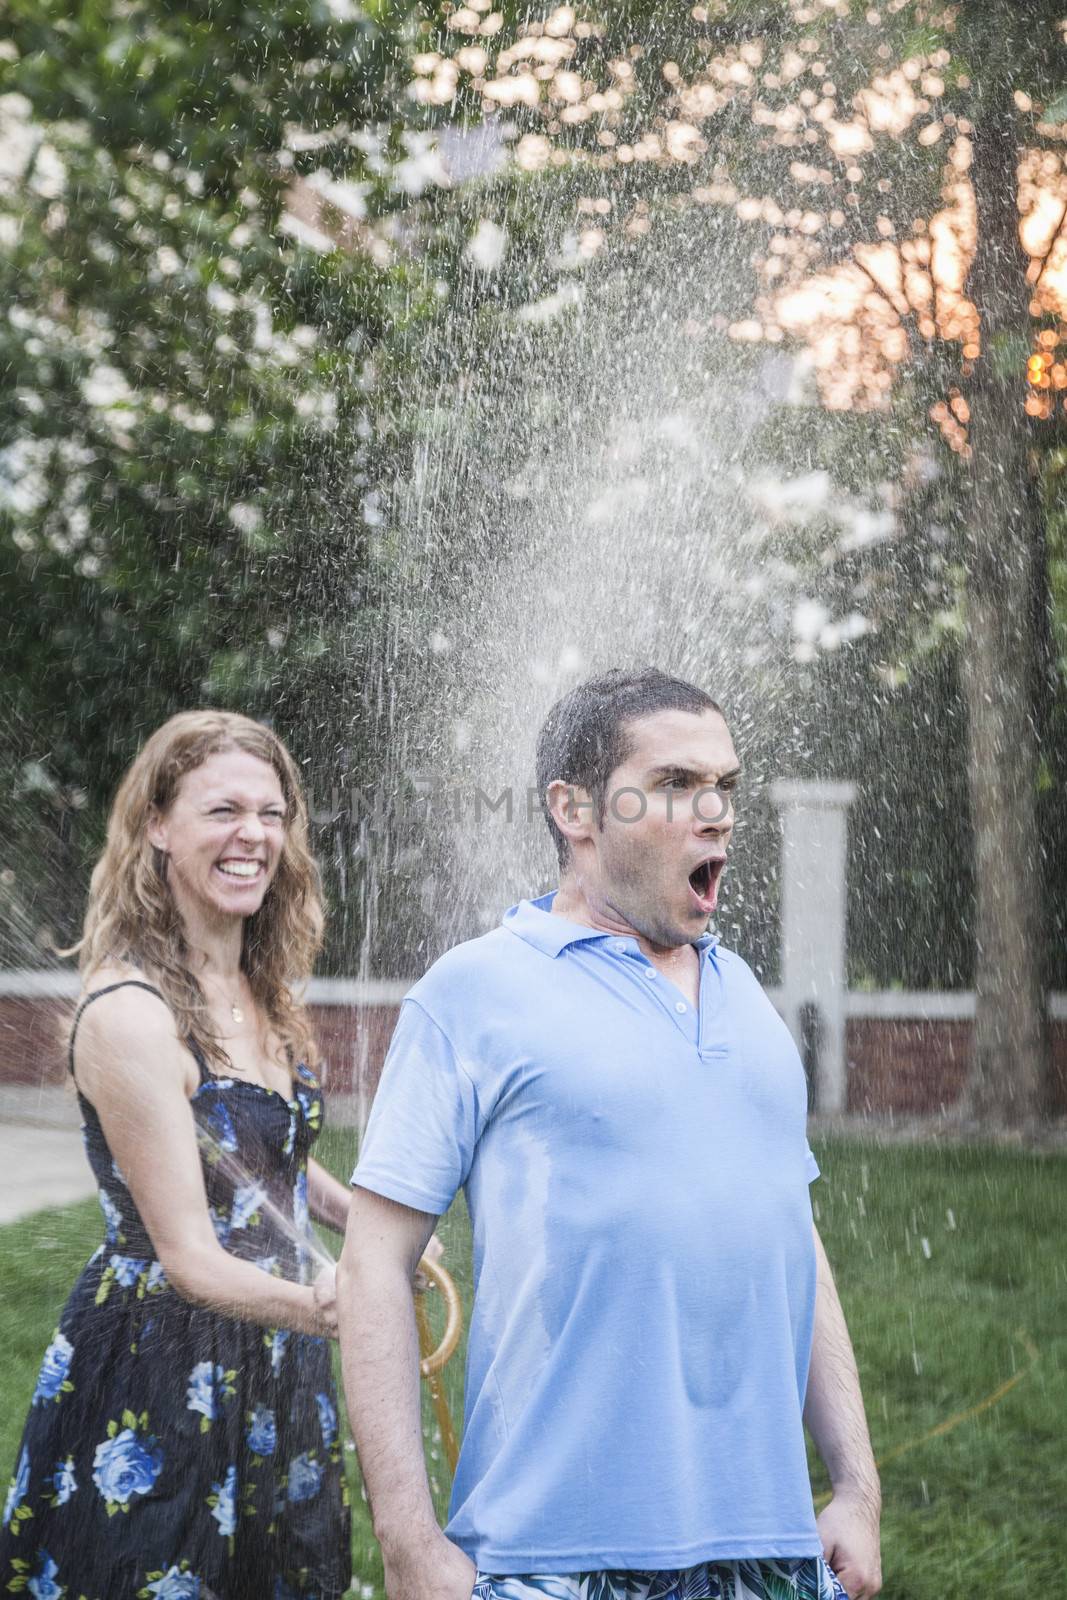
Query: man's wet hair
(586,735)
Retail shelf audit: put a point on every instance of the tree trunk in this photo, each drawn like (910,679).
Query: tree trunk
(1004,545)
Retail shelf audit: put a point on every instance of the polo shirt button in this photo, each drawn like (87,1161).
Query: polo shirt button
(650,972)
(619,947)
(680,1005)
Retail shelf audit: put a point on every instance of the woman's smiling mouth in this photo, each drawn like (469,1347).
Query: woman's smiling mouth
(240,868)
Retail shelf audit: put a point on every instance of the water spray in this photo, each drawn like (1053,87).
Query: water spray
(434,1357)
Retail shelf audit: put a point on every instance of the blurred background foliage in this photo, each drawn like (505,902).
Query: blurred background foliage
(252,259)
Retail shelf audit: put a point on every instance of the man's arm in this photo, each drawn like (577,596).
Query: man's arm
(833,1413)
(380,1357)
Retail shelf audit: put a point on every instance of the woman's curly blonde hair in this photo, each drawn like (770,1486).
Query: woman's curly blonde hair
(132,916)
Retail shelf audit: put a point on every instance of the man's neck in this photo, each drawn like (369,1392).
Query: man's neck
(679,963)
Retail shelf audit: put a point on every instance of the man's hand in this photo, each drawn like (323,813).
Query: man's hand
(848,1528)
(432,1568)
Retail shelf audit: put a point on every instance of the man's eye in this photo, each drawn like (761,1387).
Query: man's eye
(222,811)
(676,783)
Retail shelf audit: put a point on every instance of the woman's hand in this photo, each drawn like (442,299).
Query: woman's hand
(324,1290)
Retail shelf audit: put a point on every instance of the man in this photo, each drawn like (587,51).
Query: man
(653,1311)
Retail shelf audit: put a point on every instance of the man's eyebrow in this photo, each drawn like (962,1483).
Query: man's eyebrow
(690,774)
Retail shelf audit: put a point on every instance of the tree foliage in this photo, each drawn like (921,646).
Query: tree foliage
(275,277)
(190,422)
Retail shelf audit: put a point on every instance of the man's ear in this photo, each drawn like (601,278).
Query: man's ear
(572,810)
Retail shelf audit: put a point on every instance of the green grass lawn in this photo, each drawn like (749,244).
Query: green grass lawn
(953,1273)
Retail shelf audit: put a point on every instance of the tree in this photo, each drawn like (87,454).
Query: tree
(191,429)
(821,129)
(1002,525)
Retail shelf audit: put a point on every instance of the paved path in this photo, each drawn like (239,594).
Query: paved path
(42,1160)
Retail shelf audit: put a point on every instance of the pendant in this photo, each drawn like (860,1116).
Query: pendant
(236,1013)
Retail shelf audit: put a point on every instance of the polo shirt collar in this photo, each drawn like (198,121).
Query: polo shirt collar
(534,921)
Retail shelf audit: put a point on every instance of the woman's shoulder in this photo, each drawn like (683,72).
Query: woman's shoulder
(119,996)
(111,973)
(124,1031)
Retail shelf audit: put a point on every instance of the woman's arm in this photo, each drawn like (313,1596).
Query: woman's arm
(328,1199)
(132,1068)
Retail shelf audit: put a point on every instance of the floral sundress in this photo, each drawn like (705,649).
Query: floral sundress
(172,1452)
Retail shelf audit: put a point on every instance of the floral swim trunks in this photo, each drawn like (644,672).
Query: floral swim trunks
(807,1579)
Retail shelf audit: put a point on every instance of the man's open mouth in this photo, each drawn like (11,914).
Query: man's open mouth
(704,882)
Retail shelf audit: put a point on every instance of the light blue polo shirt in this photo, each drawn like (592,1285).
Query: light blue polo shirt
(637,1178)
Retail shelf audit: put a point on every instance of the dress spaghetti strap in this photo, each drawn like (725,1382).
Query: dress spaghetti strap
(123,983)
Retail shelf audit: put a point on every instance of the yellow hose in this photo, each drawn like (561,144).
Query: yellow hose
(960,1416)
(434,1359)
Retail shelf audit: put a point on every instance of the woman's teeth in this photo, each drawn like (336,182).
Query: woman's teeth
(239,869)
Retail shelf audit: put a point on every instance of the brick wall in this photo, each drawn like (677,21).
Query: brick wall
(905,1066)
(31,1034)
(353,1041)
(917,1067)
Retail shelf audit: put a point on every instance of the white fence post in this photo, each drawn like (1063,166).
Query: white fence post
(814,818)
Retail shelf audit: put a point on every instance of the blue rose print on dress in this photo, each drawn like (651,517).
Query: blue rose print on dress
(127,1270)
(224,1510)
(19,1484)
(210,1386)
(305,1478)
(247,1200)
(262,1435)
(220,1125)
(290,1138)
(124,1465)
(52,1379)
(64,1482)
(174,1585)
(112,1216)
(327,1418)
(156,1279)
(276,1339)
(311,1106)
(220,1221)
(301,1220)
(43,1585)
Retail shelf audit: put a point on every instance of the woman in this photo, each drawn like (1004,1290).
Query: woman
(182,1440)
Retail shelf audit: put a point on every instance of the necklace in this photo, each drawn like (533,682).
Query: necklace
(235,1010)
